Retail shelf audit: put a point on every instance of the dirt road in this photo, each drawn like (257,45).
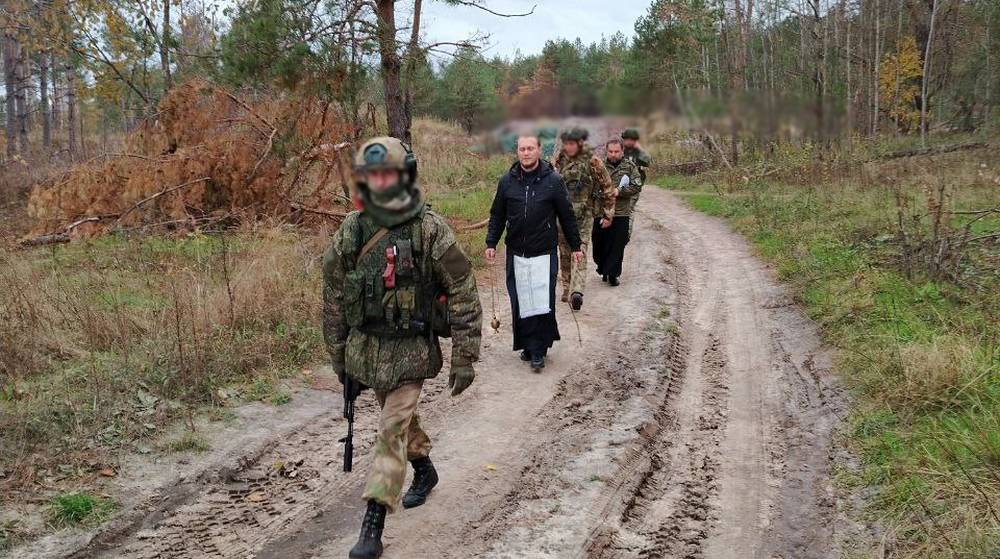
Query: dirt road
(694,420)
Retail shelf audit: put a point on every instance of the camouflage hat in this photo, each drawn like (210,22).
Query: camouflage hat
(630,134)
(575,134)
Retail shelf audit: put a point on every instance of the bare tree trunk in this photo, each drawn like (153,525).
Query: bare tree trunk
(10,83)
(988,105)
(56,93)
(165,48)
(850,100)
(21,98)
(43,93)
(899,42)
(818,77)
(878,66)
(412,52)
(395,103)
(83,137)
(71,109)
(927,76)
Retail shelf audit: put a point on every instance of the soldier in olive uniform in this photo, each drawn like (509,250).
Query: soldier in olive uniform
(639,156)
(591,194)
(609,244)
(394,280)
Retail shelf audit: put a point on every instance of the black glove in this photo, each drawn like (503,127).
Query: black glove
(356,387)
(461,377)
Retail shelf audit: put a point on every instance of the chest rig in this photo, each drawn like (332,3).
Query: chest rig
(390,291)
(579,180)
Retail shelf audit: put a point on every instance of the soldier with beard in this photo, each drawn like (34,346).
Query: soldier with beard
(609,244)
(394,280)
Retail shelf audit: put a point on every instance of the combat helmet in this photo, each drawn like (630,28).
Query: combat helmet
(630,134)
(386,152)
(574,134)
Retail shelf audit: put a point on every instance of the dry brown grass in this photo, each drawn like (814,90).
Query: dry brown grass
(447,160)
(928,375)
(104,342)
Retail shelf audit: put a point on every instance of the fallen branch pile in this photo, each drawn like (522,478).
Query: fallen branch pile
(209,156)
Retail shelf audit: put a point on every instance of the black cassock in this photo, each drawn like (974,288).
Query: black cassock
(536,333)
(609,246)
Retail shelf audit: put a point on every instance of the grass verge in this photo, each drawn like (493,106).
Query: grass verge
(921,353)
(79,508)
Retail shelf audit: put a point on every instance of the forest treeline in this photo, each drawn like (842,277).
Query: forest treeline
(78,74)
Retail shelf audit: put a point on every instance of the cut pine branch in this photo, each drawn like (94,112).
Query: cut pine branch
(148,199)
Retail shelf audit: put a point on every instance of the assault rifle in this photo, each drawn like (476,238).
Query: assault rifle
(350,396)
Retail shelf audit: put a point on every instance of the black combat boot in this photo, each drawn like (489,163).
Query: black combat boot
(369,544)
(576,300)
(537,362)
(425,477)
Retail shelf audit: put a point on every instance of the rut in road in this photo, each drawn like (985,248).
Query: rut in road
(694,422)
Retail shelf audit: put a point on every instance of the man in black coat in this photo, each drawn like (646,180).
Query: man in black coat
(529,199)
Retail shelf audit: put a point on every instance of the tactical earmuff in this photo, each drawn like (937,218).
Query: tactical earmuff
(410,162)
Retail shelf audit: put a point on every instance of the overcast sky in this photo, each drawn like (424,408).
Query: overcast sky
(553,19)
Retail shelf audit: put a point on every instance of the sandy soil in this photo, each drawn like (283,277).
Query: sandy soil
(694,420)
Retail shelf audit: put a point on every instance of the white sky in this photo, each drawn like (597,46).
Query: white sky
(553,19)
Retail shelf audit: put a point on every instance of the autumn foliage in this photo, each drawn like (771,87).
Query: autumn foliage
(208,157)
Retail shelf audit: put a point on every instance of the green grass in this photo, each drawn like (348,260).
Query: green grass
(467,206)
(189,441)
(706,203)
(74,509)
(921,355)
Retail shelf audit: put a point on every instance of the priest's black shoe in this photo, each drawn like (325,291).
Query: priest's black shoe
(538,362)
(369,544)
(425,477)
(525,355)
(613,282)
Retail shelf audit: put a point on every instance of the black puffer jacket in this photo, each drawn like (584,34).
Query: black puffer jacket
(527,206)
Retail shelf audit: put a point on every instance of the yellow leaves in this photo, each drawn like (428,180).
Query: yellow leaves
(899,83)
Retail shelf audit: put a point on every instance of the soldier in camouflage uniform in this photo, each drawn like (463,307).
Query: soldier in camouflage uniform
(394,281)
(637,155)
(591,194)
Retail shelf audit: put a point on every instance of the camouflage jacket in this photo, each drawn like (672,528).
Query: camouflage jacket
(386,362)
(641,159)
(619,170)
(587,182)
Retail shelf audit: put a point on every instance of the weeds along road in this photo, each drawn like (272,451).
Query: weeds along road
(694,420)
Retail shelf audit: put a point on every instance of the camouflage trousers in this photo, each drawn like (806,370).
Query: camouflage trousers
(631,212)
(400,439)
(574,276)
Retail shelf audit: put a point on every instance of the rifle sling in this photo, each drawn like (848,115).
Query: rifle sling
(382,232)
